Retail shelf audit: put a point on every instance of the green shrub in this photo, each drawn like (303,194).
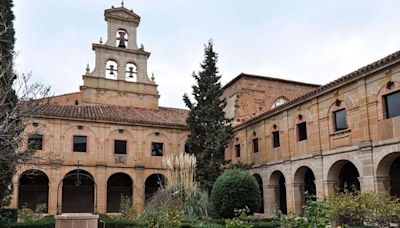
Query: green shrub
(26,215)
(166,217)
(235,189)
(113,223)
(127,210)
(46,222)
(8,215)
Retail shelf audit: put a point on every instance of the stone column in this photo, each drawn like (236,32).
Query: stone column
(383,184)
(14,199)
(298,197)
(54,182)
(138,192)
(367,184)
(270,200)
(290,201)
(331,186)
(101,183)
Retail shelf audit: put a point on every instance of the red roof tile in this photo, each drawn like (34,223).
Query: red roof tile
(163,116)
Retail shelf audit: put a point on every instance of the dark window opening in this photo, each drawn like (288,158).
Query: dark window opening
(80,143)
(120,146)
(255,145)
(157,149)
(392,104)
(275,139)
(76,102)
(237,149)
(340,118)
(302,131)
(35,142)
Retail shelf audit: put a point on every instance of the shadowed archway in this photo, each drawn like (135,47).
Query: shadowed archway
(118,185)
(33,189)
(279,183)
(152,184)
(260,185)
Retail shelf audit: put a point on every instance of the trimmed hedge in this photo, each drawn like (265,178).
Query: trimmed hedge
(113,223)
(235,189)
(8,215)
(46,222)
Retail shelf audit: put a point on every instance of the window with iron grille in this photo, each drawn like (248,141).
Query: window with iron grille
(120,147)
(255,145)
(80,143)
(302,131)
(340,120)
(275,139)
(392,104)
(157,149)
(237,150)
(35,142)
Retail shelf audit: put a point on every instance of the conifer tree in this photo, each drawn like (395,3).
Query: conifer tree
(8,99)
(210,131)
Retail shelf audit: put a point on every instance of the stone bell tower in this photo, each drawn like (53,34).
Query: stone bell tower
(120,74)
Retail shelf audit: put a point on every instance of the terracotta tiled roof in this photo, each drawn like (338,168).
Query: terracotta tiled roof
(244,75)
(163,116)
(390,59)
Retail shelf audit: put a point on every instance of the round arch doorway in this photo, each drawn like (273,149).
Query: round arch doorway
(33,189)
(119,185)
(78,192)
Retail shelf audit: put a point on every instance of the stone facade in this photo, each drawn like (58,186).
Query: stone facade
(118,103)
(105,112)
(364,153)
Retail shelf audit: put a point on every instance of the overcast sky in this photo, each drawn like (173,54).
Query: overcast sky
(311,41)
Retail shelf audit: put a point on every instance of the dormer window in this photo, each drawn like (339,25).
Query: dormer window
(122,38)
(279,101)
(131,72)
(111,69)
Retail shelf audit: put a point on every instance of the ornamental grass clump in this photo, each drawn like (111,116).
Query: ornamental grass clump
(181,193)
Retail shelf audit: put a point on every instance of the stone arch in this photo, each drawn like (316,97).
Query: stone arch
(111,69)
(303,182)
(121,38)
(261,187)
(131,70)
(152,184)
(278,185)
(343,175)
(388,174)
(33,189)
(78,192)
(118,185)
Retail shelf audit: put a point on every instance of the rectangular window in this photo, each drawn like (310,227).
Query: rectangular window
(302,131)
(275,139)
(237,149)
(80,143)
(120,147)
(35,142)
(157,149)
(392,104)
(255,145)
(340,120)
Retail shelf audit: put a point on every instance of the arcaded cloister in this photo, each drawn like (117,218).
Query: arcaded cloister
(109,138)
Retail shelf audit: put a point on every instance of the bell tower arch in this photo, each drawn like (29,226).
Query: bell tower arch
(120,73)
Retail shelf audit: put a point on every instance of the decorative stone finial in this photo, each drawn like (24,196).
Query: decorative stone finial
(101,40)
(152,77)
(141,47)
(112,7)
(122,3)
(87,68)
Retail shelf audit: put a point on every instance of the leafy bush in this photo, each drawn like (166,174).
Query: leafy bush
(126,209)
(235,189)
(26,215)
(361,208)
(167,217)
(240,220)
(113,223)
(8,215)
(316,215)
(46,222)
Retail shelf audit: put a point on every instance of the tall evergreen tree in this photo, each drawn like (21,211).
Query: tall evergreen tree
(210,131)
(8,102)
